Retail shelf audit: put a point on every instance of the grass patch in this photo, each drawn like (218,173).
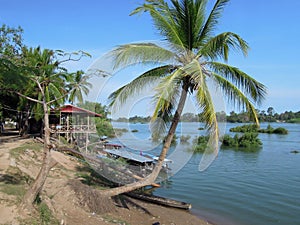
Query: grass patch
(44,216)
(16,152)
(14,182)
(17,190)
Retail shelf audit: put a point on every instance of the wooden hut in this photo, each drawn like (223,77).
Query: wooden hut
(73,123)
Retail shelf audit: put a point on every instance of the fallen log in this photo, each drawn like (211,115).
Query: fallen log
(160,200)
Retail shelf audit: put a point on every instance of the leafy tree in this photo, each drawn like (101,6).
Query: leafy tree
(10,50)
(185,67)
(103,125)
(46,82)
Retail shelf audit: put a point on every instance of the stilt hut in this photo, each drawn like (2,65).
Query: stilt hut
(73,123)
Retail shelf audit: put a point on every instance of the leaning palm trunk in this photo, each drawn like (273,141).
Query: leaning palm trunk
(47,164)
(150,179)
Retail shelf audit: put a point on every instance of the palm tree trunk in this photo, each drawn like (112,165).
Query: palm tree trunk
(152,177)
(47,164)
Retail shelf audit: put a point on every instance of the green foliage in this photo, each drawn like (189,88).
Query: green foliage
(253,128)
(245,128)
(17,190)
(248,140)
(200,144)
(263,116)
(271,130)
(103,124)
(16,152)
(104,128)
(173,142)
(295,120)
(195,55)
(120,131)
(139,119)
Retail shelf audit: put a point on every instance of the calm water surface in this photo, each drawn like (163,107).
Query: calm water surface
(239,188)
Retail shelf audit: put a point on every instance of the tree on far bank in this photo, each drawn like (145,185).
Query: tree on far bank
(185,67)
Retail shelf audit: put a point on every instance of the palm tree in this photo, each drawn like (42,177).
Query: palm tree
(49,85)
(193,58)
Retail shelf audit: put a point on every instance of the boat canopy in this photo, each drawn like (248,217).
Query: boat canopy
(129,156)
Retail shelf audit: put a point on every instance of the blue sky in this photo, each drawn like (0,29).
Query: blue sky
(270,27)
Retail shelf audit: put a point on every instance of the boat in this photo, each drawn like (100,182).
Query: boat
(160,200)
(143,159)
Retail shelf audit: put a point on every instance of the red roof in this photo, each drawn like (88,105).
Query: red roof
(75,109)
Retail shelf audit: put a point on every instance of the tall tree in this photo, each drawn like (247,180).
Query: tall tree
(10,50)
(194,57)
(46,87)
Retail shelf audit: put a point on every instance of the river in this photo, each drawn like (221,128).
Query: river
(238,188)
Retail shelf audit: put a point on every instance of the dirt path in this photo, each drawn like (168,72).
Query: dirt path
(8,141)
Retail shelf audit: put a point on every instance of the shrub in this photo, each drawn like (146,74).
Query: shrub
(246,141)
(200,144)
(245,128)
(280,130)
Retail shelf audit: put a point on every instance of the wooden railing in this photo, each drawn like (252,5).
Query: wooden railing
(73,129)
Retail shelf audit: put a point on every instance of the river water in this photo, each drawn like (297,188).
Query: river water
(238,188)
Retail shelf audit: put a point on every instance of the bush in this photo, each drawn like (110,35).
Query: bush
(252,128)
(200,144)
(245,141)
(280,130)
(245,128)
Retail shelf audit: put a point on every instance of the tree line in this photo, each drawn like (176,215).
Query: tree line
(243,117)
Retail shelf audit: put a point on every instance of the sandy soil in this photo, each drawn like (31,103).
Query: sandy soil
(66,204)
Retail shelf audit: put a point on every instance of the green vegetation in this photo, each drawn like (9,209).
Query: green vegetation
(265,116)
(294,120)
(20,150)
(200,144)
(271,130)
(46,217)
(247,141)
(253,128)
(245,128)
(103,124)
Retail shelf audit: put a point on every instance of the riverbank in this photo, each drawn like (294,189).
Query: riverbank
(63,204)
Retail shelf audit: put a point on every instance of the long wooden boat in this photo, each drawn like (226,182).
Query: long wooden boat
(160,200)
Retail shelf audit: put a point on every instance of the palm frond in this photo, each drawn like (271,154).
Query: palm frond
(219,46)
(190,18)
(243,81)
(163,19)
(212,20)
(136,86)
(195,71)
(205,102)
(236,96)
(165,98)
(135,53)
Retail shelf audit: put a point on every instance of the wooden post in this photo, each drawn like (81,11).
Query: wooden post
(68,124)
(87,133)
